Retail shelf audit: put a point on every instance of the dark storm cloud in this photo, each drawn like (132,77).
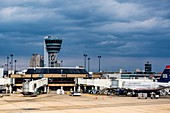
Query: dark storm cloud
(119,28)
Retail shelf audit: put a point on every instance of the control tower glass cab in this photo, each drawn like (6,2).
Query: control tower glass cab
(52,46)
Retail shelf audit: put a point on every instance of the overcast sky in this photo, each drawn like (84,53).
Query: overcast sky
(126,33)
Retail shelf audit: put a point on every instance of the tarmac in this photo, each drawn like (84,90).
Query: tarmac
(53,103)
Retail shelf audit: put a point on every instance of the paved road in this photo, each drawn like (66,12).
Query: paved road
(52,103)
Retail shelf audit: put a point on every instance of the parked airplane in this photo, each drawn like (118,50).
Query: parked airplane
(147,86)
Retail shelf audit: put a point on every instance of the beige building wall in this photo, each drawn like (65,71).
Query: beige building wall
(36,61)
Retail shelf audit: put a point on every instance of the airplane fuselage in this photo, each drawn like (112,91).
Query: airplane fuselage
(135,85)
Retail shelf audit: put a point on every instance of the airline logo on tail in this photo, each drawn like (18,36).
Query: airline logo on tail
(165,76)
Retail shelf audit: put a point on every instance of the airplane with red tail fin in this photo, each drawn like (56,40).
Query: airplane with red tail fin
(148,86)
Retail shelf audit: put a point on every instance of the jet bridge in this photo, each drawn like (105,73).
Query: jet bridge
(105,83)
(6,84)
(5,81)
(35,87)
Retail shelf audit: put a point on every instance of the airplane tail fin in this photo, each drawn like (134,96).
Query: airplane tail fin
(165,76)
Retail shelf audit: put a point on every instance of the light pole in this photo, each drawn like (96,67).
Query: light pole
(15,64)
(85,55)
(88,64)
(11,61)
(99,62)
(61,63)
(7,64)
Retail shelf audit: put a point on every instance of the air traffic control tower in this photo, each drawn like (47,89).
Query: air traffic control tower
(52,46)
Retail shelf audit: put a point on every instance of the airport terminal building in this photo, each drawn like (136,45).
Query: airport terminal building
(58,77)
(65,78)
